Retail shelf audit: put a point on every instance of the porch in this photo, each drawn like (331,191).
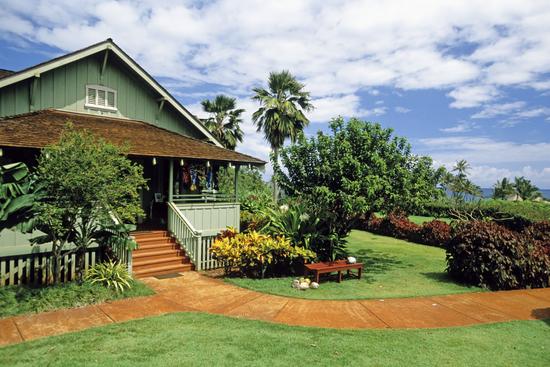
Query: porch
(182,197)
(185,211)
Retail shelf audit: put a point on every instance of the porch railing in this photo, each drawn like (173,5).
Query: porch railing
(196,244)
(204,197)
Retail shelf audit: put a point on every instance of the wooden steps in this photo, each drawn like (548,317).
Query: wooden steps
(158,254)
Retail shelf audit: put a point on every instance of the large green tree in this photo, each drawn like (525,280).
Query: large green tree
(87,181)
(359,169)
(224,121)
(282,111)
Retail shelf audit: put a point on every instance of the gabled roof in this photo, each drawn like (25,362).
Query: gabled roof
(4,73)
(108,44)
(42,128)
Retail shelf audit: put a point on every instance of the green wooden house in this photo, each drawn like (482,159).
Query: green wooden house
(102,89)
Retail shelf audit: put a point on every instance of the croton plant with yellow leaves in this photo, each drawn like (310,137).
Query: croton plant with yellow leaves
(257,254)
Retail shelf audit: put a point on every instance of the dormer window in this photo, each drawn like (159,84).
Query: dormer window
(100,97)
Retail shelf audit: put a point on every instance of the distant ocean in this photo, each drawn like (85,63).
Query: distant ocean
(488,193)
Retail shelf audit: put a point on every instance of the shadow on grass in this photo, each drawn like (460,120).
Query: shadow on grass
(376,263)
(444,278)
(542,314)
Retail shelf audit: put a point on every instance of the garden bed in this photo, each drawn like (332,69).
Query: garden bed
(15,300)
(393,268)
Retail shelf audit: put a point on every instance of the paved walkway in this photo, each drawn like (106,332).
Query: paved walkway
(195,292)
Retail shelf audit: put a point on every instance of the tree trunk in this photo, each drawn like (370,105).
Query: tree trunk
(275,186)
(56,257)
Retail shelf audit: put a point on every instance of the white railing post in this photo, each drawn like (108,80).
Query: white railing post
(198,238)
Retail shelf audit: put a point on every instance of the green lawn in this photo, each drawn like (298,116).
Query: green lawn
(393,268)
(211,340)
(16,300)
(419,219)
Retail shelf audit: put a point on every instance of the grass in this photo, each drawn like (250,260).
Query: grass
(212,340)
(15,300)
(419,219)
(393,268)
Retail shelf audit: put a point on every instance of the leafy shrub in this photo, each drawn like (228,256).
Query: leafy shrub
(539,234)
(396,224)
(292,221)
(111,274)
(492,256)
(252,221)
(256,254)
(434,233)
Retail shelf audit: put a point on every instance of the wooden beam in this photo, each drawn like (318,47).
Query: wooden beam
(104,64)
(161,106)
(33,86)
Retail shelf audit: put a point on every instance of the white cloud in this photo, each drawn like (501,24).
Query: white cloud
(401,109)
(336,47)
(482,150)
(491,159)
(461,127)
(494,110)
(348,105)
(472,95)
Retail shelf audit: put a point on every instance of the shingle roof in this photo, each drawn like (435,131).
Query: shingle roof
(42,128)
(4,73)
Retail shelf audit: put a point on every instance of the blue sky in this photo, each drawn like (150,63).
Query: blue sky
(468,79)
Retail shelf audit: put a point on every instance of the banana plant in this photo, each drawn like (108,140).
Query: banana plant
(19,194)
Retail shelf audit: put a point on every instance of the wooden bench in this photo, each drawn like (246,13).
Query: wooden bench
(332,266)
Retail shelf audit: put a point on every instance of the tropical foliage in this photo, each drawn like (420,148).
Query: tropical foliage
(252,190)
(224,121)
(458,184)
(111,274)
(282,111)
(525,189)
(258,255)
(18,195)
(87,182)
(520,189)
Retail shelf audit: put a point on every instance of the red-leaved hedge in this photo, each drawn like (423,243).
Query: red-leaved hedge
(491,256)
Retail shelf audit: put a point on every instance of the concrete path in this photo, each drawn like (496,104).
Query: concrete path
(195,292)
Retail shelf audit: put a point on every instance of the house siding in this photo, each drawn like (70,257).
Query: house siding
(64,88)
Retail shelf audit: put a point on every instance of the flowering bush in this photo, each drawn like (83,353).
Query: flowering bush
(256,254)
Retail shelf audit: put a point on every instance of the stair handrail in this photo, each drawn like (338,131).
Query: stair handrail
(193,247)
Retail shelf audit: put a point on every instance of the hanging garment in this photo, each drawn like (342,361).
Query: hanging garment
(186,176)
(194,179)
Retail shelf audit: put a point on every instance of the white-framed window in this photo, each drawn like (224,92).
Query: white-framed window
(100,97)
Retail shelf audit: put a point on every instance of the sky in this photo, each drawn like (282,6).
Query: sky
(460,79)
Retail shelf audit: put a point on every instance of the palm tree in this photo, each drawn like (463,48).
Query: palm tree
(224,120)
(460,185)
(525,189)
(503,189)
(281,113)
(461,168)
